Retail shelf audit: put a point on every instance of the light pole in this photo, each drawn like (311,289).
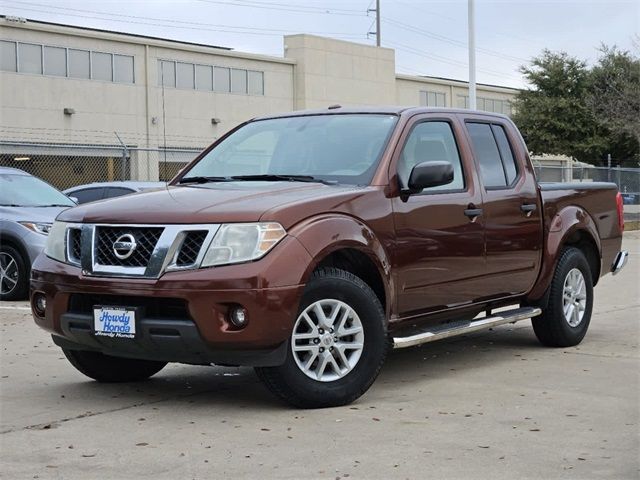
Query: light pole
(472,56)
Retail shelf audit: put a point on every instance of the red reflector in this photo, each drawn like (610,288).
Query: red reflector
(620,206)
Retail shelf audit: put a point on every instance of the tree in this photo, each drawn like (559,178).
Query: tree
(580,112)
(554,116)
(615,99)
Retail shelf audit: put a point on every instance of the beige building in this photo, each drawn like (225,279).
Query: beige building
(62,85)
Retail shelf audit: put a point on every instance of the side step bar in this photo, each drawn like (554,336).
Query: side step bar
(446,331)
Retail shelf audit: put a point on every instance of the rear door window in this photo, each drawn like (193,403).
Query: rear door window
(508,160)
(88,194)
(487,153)
(117,192)
(493,152)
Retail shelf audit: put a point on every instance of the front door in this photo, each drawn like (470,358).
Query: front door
(439,245)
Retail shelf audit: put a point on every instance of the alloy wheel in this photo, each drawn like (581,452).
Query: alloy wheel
(8,273)
(574,297)
(327,340)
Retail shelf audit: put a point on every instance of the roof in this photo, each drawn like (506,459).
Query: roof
(381,110)
(115,32)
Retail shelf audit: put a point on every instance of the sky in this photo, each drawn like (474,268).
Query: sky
(429,37)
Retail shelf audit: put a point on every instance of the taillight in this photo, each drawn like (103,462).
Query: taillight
(620,206)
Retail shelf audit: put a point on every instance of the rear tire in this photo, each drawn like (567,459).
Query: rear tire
(14,276)
(341,343)
(108,369)
(565,320)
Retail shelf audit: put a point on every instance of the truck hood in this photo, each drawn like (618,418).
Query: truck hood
(206,203)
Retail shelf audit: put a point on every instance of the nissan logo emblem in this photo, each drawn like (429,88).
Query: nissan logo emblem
(124,246)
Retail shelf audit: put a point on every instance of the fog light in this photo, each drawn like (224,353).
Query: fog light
(40,304)
(238,316)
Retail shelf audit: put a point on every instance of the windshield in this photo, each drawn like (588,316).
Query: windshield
(28,191)
(343,148)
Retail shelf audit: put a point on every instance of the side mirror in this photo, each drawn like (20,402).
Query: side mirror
(430,174)
(75,200)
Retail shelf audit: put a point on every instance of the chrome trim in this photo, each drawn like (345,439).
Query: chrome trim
(619,262)
(67,244)
(509,316)
(163,258)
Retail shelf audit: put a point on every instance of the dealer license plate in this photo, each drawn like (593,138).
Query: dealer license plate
(114,322)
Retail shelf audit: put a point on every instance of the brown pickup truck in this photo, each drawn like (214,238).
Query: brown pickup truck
(309,244)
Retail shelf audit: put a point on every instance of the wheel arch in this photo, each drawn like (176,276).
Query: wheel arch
(345,242)
(14,241)
(572,226)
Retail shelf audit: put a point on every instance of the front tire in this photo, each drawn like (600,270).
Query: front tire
(565,320)
(14,274)
(338,344)
(108,369)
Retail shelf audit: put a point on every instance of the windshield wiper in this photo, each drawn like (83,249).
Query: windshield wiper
(271,177)
(203,179)
(10,205)
(56,205)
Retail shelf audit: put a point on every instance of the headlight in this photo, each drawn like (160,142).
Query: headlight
(242,242)
(42,228)
(55,246)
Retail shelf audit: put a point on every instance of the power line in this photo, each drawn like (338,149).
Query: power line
(286,7)
(167,20)
(439,58)
(168,25)
(451,41)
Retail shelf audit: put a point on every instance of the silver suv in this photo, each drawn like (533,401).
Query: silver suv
(28,207)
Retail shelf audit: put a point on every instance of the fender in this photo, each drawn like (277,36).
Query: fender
(563,224)
(324,234)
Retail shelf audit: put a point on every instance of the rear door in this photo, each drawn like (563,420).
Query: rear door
(512,209)
(439,246)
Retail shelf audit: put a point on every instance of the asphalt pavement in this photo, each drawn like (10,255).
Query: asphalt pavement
(492,405)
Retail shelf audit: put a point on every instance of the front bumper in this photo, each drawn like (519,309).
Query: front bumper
(620,261)
(183,315)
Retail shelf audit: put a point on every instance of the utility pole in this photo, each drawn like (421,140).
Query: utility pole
(472,56)
(377,32)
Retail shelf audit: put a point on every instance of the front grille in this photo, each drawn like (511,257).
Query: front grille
(146,240)
(190,248)
(75,244)
(174,308)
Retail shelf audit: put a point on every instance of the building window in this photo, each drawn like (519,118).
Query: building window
(8,56)
(487,104)
(29,58)
(123,69)
(433,99)
(255,82)
(238,81)
(167,74)
(79,64)
(65,62)
(204,77)
(55,61)
(222,80)
(210,78)
(184,75)
(101,66)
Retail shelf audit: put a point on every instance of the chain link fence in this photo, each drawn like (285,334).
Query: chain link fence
(627,179)
(66,166)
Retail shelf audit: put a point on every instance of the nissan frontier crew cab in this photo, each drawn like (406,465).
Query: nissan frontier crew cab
(309,244)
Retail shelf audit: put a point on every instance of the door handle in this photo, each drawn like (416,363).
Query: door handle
(528,208)
(472,212)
